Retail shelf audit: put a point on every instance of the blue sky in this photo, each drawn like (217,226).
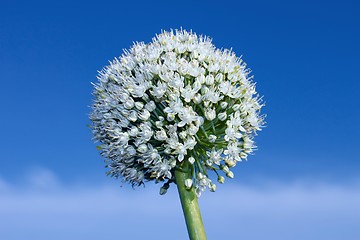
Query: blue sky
(305,58)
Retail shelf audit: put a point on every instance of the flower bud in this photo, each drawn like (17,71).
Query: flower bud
(191,160)
(210,114)
(219,77)
(150,106)
(170,117)
(230,174)
(209,79)
(200,176)
(188,183)
(221,179)
(123,97)
(159,124)
(222,116)
(172,162)
(212,138)
(196,86)
(212,187)
(145,97)
(183,134)
(139,105)
(131,151)
(163,191)
(142,148)
(223,105)
(164,188)
(132,116)
(197,98)
(236,107)
(230,163)
(199,121)
(225,168)
(129,103)
(193,129)
(201,79)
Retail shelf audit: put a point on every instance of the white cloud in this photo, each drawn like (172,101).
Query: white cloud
(301,210)
(3,185)
(42,179)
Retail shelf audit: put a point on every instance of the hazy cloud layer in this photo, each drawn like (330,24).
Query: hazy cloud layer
(45,209)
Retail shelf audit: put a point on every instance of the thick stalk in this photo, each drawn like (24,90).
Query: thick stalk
(189,205)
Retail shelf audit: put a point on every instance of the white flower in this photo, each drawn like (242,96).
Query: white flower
(214,156)
(212,96)
(183,135)
(188,93)
(202,183)
(231,134)
(159,90)
(150,106)
(161,135)
(159,124)
(170,117)
(254,121)
(134,131)
(177,81)
(176,100)
(181,151)
(175,106)
(144,115)
(193,129)
(190,143)
(187,116)
(233,151)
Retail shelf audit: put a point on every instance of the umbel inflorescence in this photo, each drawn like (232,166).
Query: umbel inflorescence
(173,101)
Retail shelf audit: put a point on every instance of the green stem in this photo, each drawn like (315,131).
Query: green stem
(189,204)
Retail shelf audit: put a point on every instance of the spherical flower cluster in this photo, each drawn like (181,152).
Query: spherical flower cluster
(175,100)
